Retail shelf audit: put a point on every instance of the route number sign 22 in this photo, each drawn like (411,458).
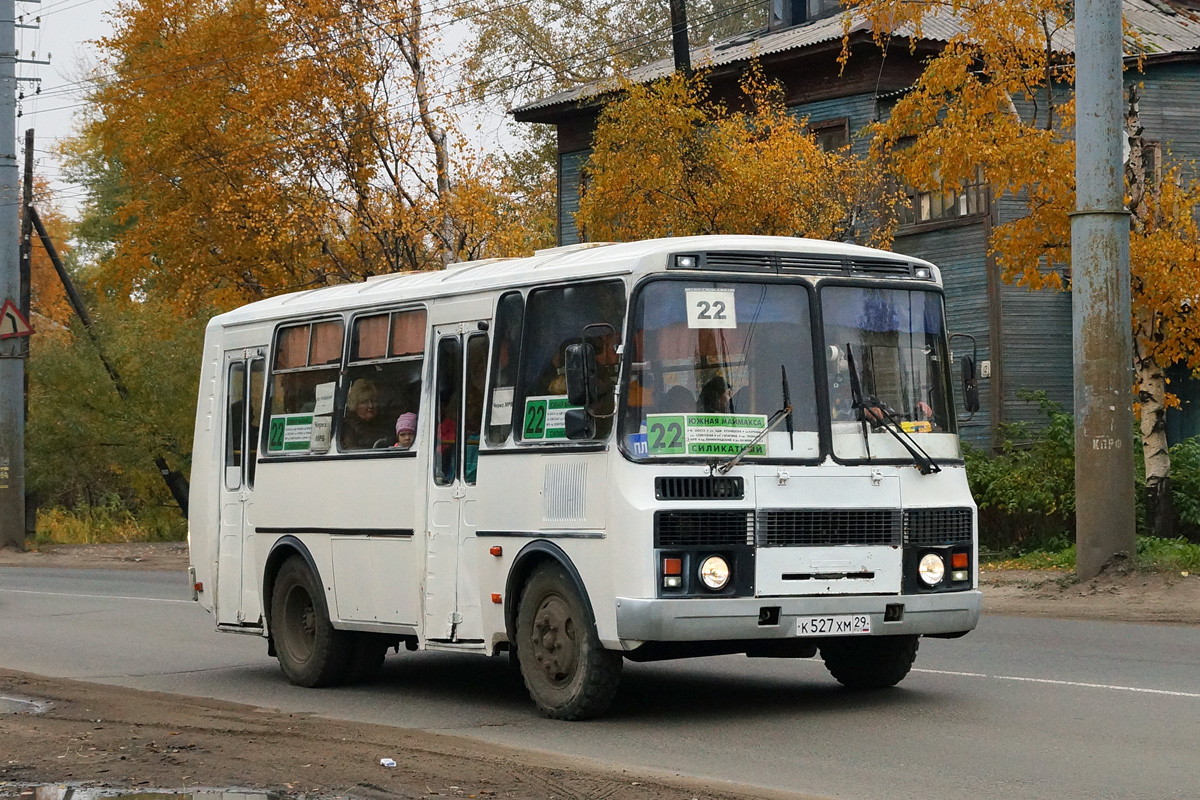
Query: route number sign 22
(711,308)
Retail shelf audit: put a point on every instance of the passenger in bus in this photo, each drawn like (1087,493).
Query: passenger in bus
(406,430)
(715,396)
(679,400)
(363,427)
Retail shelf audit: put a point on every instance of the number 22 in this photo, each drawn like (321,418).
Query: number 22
(717,307)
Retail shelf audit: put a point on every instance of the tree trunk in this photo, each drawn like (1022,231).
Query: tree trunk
(1151,382)
(1152,392)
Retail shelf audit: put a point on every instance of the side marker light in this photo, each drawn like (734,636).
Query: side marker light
(496,598)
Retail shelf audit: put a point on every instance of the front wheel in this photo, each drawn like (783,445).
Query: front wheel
(311,651)
(568,673)
(875,662)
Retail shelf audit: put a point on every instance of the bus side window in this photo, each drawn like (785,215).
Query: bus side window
(556,317)
(510,313)
(383,380)
(307,358)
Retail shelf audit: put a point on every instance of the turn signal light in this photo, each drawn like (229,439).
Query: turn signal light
(958,561)
(198,586)
(672,566)
(496,598)
(496,550)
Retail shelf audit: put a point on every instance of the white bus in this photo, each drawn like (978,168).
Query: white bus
(652,450)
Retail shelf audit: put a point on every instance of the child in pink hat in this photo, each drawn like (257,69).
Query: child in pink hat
(406,430)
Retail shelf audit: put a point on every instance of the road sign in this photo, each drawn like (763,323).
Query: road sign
(12,323)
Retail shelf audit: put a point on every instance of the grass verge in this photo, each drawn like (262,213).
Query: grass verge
(1153,555)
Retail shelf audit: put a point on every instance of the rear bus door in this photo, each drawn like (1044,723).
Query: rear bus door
(237,590)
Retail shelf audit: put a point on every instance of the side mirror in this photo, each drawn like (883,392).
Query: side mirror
(579,424)
(970,384)
(581,375)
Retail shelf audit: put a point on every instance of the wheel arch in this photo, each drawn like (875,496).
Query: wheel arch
(283,549)
(530,558)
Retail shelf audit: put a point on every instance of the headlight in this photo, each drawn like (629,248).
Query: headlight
(932,569)
(714,572)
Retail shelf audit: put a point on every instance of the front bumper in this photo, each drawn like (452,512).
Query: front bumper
(717,619)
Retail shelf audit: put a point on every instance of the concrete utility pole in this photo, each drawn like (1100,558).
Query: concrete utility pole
(1101,315)
(12,365)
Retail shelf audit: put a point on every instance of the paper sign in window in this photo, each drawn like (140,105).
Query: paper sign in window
(502,405)
(324,398)
(711,308)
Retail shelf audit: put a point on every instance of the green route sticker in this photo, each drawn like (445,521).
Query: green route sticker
(665,434)
(286,434)
(545,417)
(704,434)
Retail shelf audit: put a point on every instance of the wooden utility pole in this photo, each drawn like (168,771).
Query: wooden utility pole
(679,37)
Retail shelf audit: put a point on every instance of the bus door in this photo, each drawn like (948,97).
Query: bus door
(452,608)
(237,594)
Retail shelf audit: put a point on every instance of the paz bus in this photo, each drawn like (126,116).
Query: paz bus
(650,450)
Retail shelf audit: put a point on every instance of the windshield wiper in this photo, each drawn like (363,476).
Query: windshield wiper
(784,413)
(887,420)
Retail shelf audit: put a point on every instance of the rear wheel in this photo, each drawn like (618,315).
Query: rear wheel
(875,662)
(311,651)
(568,673)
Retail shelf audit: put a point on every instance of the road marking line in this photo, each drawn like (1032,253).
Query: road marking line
(1061,683)
(97,596)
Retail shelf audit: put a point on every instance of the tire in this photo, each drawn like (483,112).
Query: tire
(367,651)
(311,651)
(569,675)
(870,662)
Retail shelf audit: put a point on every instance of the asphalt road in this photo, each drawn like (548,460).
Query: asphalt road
(1020,708)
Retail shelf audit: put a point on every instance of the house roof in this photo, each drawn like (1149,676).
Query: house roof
(1163,28)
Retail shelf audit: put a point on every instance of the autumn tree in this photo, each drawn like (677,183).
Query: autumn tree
(667,161)
(523,51)
(996,103)
(262,148)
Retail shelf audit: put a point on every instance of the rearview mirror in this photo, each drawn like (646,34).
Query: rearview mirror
(581,374)
(579,424)
(970,384)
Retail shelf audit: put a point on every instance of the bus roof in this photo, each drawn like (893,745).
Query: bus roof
(579,262)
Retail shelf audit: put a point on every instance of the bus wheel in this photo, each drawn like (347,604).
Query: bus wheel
(869,663)
(568,673)
(367,651)
(311,651)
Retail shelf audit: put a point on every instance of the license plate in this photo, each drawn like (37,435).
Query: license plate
(836,625)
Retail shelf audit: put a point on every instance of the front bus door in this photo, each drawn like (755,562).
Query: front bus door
(452,610)
(237,594)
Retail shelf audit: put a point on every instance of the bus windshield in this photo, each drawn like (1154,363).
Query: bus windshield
(889,347)
(711,362)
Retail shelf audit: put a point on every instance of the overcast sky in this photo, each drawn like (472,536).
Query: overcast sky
(64,30)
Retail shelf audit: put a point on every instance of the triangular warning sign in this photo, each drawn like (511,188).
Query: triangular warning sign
(12,323)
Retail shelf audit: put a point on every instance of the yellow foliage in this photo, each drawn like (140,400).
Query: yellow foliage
(667,161)
(265,148)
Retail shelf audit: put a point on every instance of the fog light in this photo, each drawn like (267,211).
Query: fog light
(931,569)
(672,582)
(714,572)
(958,575)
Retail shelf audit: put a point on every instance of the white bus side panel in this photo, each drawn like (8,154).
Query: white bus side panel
(562,498)
(366,517)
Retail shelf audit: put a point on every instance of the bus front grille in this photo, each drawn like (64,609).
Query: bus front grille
(703,528)
(829,527)
(927,527)
(699,487)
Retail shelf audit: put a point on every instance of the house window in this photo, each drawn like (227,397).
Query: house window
(1152,162)
(942,205)
(831,134)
